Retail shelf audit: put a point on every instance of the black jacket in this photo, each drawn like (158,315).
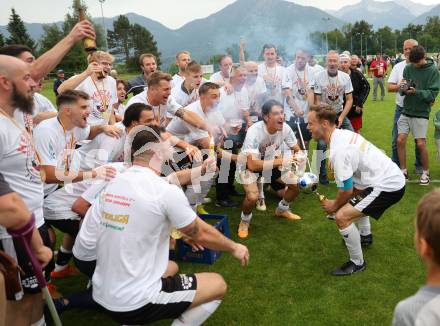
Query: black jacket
(361,89)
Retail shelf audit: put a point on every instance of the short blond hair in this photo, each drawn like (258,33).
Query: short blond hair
(182,52)
(97,56)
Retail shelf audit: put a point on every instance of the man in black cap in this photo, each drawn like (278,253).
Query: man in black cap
(58,81)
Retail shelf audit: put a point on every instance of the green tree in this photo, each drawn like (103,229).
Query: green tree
(2,40)
(119,40)
(18,32)
(52,35)
(143,42)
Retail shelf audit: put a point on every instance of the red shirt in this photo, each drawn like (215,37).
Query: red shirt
(381,68)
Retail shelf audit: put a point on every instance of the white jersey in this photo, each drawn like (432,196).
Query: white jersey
(352,156)
(85,242)
(183,96)
(333,89)
(300,82)
(103,149)
(185,131)
(57,147)
(275,79)
(20,168)
(396,76)
(137,210)
(165,112)
(316,69)
(232,105)
(103,94)
(256,93)
(42,104)
(218,78)
(177,80)
(265,145)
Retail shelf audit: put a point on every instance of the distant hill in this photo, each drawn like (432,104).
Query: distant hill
(435,11)
(377,13)
(414,7)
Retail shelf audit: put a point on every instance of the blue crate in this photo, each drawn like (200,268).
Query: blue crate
(207,256)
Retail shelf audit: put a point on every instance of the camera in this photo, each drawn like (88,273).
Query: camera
(407,85)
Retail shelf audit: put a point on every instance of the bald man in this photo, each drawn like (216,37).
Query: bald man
(256,88)
(20,168)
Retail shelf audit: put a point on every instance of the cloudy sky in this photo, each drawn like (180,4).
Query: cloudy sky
(171,13)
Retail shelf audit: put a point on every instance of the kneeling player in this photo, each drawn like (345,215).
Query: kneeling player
(368,181)
(135,213)
(261,154)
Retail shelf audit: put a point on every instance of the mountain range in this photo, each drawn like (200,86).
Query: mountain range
(262,21)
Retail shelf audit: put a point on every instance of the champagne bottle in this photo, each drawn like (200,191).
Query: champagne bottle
(88,43)
(211,152)
(321,199)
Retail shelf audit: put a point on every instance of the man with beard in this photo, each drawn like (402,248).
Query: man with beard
(368,182)
(119,107)
(96,82)
(272,73)
(331,87)
(187,91)
(299,95)
(261,155)
(43,108)
(361,89)
(182,60)
(19,165)
(148,63)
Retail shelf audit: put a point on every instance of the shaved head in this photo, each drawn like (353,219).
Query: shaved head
(16,84)
(10,65)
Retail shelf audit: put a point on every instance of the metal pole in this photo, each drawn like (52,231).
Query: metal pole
(361,45)
(351,44)
(366,46)
(103,25)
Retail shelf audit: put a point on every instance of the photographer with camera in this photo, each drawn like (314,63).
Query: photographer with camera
(420,85)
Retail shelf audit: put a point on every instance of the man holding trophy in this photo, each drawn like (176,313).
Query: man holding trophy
(262,155)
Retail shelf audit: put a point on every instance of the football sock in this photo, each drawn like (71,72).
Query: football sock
(364,225)
(260,184)
(352,240)
(198,315)
(63,258)
(283,205)
(246,217)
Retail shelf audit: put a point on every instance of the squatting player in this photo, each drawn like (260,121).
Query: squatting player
(261,155)
(368,182)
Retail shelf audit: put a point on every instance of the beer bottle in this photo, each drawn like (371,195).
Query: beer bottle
(88,43)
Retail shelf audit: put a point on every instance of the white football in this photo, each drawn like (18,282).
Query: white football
(308,183)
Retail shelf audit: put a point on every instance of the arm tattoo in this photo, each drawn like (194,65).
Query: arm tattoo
(179,113)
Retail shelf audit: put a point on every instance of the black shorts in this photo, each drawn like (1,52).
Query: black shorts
(71,227)
(174,298)
(374,202)
(85,267)
(28,280)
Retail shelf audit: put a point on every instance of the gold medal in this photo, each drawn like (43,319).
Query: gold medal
(176,234)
